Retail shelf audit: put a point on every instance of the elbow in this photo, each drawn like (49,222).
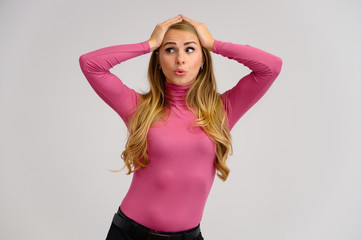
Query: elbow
(277,66)
(271,71)
(82,60)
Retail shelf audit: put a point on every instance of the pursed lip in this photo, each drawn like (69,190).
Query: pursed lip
(180,70)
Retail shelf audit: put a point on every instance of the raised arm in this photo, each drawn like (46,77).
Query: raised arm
(265,68)
(249,89)
(96,64)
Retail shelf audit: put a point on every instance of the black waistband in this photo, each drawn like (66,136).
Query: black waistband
(141,232)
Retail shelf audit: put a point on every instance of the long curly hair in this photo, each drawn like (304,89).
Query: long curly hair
(202,99)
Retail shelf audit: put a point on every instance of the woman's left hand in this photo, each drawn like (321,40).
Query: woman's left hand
(204,35)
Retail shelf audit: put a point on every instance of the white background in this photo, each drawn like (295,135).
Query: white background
(295,171)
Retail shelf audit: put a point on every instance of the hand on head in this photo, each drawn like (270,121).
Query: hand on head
(204,35)
(157,36)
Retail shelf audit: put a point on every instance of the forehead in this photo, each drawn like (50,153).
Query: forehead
(180,36)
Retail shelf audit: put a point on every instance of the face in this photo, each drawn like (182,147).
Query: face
(180,50)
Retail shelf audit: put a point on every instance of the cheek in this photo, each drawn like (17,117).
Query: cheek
(196,63)
(165,61)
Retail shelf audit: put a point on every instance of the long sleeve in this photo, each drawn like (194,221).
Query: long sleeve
(95,66)
(249,89)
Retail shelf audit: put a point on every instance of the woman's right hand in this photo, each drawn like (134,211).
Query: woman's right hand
(157,36)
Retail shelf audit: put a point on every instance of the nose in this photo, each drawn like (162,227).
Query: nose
(180,58)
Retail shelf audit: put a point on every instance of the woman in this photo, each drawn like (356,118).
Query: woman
(179,132)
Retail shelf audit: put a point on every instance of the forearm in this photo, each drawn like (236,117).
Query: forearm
(250,88)
(262,63)
(95,66)
(105,58)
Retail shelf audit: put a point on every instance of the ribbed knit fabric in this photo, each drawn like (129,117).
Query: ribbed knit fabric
(171,192)
(175,94)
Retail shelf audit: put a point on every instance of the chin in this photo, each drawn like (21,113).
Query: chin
(181,82)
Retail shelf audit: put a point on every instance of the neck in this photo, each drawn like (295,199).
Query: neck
(175,94)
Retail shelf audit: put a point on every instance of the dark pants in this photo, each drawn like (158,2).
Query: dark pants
(116,233)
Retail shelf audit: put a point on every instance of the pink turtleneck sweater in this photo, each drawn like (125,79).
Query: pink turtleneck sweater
(171,192)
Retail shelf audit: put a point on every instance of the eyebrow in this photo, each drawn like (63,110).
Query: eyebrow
(187,43)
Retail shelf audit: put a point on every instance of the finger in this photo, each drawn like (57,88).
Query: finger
(190,20)
(172,20)
(166,25)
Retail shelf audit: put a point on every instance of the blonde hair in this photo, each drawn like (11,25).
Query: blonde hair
(201,98)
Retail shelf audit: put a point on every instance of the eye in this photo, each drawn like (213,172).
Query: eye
(190,48)
(168,49)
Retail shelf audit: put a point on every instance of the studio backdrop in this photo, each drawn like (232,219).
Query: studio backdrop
(296,161)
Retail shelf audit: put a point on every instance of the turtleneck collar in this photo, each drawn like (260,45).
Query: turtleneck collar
(175,94)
